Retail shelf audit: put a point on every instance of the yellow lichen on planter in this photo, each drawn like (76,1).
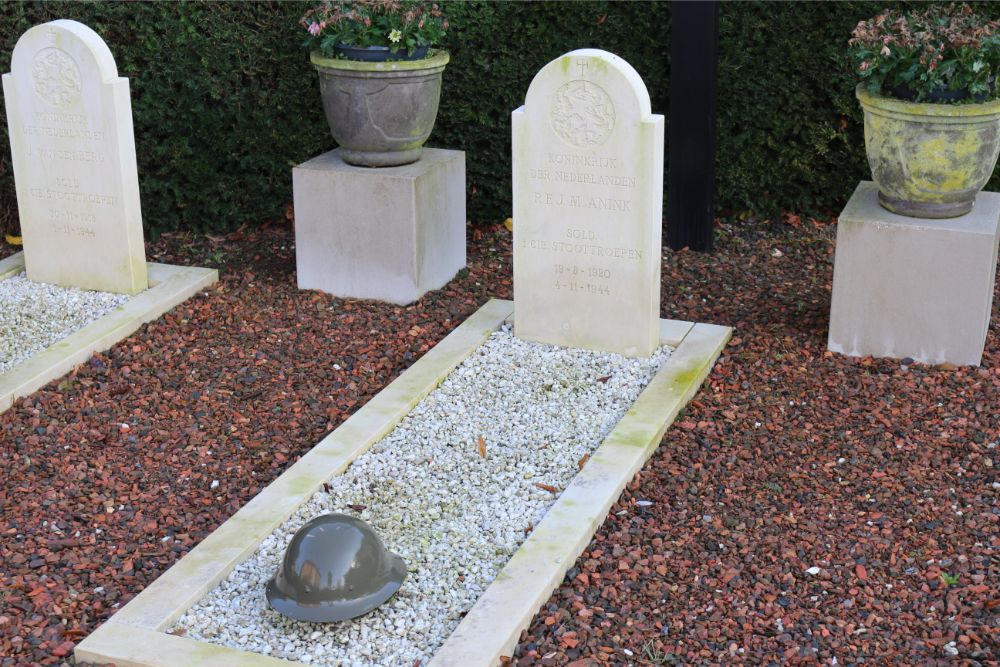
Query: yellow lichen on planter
(435,58)
(930,158)
(380,113)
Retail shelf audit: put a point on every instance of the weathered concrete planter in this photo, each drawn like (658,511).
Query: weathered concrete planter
(929,160)
(381,113)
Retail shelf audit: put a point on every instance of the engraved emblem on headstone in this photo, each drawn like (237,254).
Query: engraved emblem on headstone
(56,77)
(582,114)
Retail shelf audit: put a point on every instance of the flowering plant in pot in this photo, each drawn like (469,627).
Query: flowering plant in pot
(380,78)
(932,114)
(375,29)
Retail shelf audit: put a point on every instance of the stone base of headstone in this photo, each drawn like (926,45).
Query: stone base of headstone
(390,234)
(910,287)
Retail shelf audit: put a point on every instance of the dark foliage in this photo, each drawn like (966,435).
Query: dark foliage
(225,102)
(496,50)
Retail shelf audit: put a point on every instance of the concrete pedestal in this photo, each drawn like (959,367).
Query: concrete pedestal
(908,287)
(391,234)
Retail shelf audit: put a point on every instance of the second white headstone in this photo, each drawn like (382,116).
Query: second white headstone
(588,200)
(70,122)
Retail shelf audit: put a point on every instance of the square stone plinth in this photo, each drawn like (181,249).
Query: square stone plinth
(390,233)
(909,287)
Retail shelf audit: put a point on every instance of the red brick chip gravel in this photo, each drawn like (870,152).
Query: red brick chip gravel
(806,508)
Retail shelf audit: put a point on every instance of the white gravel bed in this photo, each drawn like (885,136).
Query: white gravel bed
(456,518)
(36,315)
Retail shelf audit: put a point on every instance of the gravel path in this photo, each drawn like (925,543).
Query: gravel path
(455,514)
(880,475)
(36,315)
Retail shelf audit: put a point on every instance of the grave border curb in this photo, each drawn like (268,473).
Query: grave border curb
(169,285)
(136,635)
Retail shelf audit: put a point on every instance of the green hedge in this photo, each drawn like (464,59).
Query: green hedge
(790,134)
(225,103)
(498,47)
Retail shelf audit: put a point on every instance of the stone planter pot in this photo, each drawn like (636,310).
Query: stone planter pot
(380,113)
(929,160)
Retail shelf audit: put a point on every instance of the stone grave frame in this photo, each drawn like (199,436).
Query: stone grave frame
(136,635)
(169,285)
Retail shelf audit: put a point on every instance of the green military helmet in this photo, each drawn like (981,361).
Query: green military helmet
(335,568)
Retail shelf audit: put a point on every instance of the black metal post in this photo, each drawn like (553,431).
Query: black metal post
(694,36)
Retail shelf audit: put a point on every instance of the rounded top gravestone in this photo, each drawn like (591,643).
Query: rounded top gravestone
(588,187)
(56,51)
(585,90)
(70,123)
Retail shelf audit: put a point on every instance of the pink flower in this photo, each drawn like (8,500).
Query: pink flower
(315,29)
(864,66)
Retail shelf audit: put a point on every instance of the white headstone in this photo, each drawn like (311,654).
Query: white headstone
(70,122)
(588,201)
